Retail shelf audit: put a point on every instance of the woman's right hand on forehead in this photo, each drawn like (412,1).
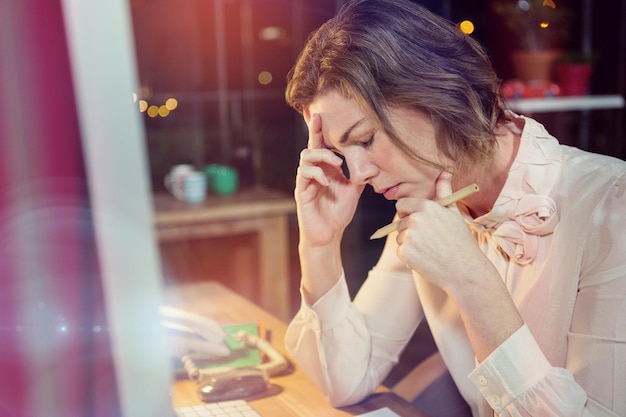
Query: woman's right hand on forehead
(325,199)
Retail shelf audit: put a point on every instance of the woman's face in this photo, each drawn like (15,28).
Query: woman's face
(371,155)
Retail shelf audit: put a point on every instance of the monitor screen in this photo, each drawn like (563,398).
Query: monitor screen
(113,143)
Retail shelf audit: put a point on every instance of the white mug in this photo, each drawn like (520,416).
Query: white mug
(194,187)
(174,180)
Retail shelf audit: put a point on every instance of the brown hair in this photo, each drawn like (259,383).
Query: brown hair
(395,53)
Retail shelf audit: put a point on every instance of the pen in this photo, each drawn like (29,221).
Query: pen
(446,201)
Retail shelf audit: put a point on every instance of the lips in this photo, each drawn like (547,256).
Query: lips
(391,192)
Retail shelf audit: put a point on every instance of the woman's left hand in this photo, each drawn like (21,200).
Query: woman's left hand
(435,241)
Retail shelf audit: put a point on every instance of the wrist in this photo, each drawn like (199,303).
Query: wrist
(321,267)
(488,312)
(321,257)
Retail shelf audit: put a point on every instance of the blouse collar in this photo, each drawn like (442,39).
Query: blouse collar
(524,210)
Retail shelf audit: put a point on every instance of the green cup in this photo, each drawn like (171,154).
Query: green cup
(222,179)
(210,171)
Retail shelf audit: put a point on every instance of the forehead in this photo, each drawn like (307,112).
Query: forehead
(340,114)
(332,103)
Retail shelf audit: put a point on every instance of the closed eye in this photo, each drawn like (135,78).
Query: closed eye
(368,142)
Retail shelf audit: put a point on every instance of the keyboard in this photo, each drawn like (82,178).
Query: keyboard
(235,408)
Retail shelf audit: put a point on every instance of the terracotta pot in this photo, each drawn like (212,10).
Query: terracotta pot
(573,77)
(535,65)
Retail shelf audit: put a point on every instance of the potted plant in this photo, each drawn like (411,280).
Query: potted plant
(538,30)
(573,72)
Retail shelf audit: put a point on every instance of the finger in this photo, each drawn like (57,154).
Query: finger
(319,155)
(312,172)
(316,139)
(443,185)
(404,206)
(443,188)
(401,225)
(408,205)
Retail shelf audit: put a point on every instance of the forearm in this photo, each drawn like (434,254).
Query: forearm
(487,310)
(321,267)
(347,348)
(313,339)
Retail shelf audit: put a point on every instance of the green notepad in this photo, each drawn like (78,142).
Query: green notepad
(241,355)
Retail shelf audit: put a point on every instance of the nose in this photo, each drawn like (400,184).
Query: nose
(361,169)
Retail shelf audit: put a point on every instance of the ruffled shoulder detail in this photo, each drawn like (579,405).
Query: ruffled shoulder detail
(524,211)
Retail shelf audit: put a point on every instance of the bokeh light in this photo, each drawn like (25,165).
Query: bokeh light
(164,111)
(467,27)
(549,3)
(154,110)
(271,33)
(171,103)
(265,77)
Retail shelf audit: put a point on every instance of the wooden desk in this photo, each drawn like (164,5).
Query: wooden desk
(260,211)
(299,397)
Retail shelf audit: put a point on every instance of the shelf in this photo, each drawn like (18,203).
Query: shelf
(555,104)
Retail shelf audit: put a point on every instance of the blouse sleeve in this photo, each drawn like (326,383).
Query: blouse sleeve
(347,348)
(517,380)
(597,338)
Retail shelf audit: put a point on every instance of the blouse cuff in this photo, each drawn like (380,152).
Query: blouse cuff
(511,370)
(333,306)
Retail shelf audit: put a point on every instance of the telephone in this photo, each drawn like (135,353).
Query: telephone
(192,334)
(191,337)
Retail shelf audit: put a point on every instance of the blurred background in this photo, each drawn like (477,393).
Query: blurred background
(212,78)
(77,154)
(224,64)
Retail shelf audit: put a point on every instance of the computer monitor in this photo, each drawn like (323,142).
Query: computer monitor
(65,249)
(102,56)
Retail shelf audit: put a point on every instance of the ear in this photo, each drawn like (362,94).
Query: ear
(306,113)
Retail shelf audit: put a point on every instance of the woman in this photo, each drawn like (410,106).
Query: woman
(523,284)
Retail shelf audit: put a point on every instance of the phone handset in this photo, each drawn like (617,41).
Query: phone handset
(192,334)
(192,337)
(275,365)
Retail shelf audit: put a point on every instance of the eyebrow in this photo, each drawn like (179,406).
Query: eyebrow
(346,135)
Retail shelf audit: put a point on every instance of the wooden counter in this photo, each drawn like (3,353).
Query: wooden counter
(259,211)
(295,395)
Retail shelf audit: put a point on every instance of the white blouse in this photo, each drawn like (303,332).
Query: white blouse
(557,235)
